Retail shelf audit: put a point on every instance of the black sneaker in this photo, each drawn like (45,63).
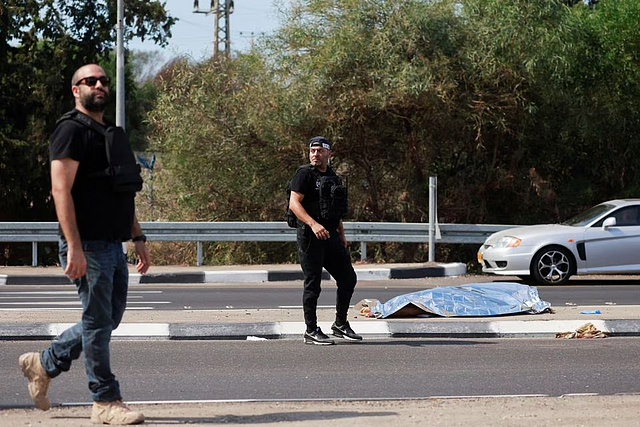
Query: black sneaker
(317,337)
(345,331)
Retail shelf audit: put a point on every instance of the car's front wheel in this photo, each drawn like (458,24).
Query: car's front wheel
(552,265)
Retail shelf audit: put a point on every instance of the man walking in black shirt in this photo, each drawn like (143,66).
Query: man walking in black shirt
(319,201)
(95,217)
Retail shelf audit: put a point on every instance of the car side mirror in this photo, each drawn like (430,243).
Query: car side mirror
(609,222)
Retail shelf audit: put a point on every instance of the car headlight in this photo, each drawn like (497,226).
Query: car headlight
(507,242)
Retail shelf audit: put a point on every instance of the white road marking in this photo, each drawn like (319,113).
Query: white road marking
(2,298)
(77,302)
(65,308)
(299,306)
(67,292)
(123,330)
(339,399)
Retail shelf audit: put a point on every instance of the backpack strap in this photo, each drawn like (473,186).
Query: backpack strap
(83,119)
(91,124)
(130,171)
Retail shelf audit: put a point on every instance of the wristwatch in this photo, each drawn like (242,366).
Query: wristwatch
(140,238)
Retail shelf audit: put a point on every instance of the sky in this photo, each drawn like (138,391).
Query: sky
(192,35)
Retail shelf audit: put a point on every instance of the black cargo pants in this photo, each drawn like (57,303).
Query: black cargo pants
(331,254)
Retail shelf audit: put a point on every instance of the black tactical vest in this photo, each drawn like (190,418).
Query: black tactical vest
(123,170)
(333,199)
(331,202)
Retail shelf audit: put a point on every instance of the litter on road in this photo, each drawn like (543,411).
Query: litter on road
(585,331)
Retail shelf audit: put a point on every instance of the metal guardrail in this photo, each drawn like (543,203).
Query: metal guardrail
(237,231)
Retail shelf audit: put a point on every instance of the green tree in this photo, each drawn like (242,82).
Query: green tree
(574,138)
(42,42)
(525,110)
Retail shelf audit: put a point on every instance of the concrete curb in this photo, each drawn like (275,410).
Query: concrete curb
(273,274)
(35,279)
(368,329)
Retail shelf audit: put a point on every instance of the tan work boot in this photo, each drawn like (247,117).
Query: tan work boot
(114,412)
(38,379)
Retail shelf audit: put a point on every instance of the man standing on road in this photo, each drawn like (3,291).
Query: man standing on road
(96,213)
(319,201)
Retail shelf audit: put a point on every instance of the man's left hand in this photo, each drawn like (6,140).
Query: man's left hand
(144,260)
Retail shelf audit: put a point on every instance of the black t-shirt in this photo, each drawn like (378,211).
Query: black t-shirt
(101,213)
(306,181)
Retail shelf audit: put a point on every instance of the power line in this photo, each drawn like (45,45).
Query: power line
(221,9)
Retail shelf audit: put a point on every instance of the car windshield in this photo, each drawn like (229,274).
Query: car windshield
(589,215)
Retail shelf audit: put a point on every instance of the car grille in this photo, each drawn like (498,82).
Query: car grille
(497,264)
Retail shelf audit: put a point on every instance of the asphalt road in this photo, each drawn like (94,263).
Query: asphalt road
(288,294)
(376,369)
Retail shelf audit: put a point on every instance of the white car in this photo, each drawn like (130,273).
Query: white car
(602,240)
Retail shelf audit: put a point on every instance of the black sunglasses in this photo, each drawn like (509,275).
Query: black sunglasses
(92,81)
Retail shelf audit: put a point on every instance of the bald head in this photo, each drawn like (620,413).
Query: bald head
(86,71)
(90,88)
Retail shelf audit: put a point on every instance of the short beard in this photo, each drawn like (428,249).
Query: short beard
(94,104)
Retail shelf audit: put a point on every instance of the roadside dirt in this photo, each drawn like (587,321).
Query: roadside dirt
(612,411)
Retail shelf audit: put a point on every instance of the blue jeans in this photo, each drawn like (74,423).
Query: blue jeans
(103,293)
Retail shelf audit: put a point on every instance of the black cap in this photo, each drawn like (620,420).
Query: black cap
(320,141)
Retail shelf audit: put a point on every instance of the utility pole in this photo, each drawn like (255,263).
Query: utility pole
(221,9)
(120,121)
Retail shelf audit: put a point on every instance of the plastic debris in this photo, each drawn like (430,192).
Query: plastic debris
(590,312)
(253,338)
